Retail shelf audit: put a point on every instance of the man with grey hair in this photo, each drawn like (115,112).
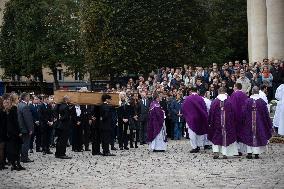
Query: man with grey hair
(26,124)
(256,129)
(246,84)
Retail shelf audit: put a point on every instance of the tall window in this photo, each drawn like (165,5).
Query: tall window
(78,76)
(59,75)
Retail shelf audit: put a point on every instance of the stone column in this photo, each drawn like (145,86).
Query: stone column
(257,30)
(275,28)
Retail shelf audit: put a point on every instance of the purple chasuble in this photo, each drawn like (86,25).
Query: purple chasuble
(222,129)
(155,121)
(195,114)
(256,129)
(237,100)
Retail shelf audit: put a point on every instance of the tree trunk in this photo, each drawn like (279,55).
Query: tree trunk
(41,84)
(54,74)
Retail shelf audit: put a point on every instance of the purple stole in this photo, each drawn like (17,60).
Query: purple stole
(223,118)
(254,123)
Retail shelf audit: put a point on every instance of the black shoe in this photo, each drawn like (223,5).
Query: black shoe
(63,157)
(113,148)
(240,154)
(158,150)
(14,168)
(109,154)
(31,151)
(249,156)
(126,148)
(49,152)
(225,157)
(120,148)
(87,149)
(256,156)
(196,150)
(20,167)
(136,146)
(207,147)
(97,154)
(27,161)
(215,157)
(131,146)
(3,167)
(141,143)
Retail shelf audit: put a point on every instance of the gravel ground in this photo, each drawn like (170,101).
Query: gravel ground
(137,168)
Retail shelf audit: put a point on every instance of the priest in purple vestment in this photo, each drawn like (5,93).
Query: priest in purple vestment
(156,132)
(194,111)
(256,129)
(222,131)
(237,99)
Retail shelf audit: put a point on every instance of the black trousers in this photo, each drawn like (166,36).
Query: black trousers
(2,154)
(169,128)
(134,136)
(77,138)
(106,139)
(36,136)
(63,136)
(123,136)
(25,147)
(143,131)
(86,134)
(46,131)
(13,148)
(96,140)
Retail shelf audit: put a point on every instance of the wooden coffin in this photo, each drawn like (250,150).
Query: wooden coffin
(85,98)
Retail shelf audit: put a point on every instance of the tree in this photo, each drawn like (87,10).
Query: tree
(142,35)
(226,31)
(40,33)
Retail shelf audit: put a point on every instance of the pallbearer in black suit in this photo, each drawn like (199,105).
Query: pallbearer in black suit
(46,119)
(95,131)
(123,113)
(106,124)
(77,130)
(87,121)
(63,128)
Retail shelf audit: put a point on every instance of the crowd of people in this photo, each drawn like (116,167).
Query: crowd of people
(211,106)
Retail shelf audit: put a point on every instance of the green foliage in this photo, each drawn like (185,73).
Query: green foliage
(110,36)
(38,33)
(144,35)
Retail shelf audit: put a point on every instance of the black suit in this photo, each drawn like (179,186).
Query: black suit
(87,114)
(3,137)
(105,126)
(14,141)
(63,129)
(123,112)
(37,129)
(95,131)
(77,130)
(143,118)
(46,115)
